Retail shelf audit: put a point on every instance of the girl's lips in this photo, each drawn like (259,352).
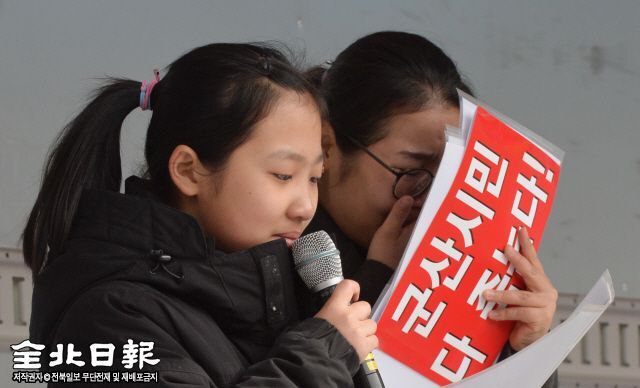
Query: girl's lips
(289,237)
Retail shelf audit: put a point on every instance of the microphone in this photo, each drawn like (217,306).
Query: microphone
(317,261)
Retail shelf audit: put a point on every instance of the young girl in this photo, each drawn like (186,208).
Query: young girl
(188,273)
(389,96)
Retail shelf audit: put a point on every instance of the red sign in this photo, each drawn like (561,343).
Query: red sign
(436,319)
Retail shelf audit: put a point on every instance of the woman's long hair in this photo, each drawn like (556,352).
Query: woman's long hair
(381,75)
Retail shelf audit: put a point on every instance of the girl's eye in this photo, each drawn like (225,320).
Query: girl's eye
(315,179)
(282,177)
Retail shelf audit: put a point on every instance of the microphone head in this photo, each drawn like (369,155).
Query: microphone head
(317,260)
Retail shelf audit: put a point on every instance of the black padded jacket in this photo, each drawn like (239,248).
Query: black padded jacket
(136,269)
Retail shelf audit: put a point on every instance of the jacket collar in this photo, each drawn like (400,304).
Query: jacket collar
(139,221)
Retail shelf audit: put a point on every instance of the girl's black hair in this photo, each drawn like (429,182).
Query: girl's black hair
(380,75)
(209,100)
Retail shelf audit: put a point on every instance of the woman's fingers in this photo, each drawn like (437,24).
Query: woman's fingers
(520,314)
(517,298)
(390,239)
(527,248)
(528,265)
(532,309)
(398,215)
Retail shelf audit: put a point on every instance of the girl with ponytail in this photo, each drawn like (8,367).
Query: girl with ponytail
(191,263)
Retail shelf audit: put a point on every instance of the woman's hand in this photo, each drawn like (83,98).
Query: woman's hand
(351,318)
(532,308)
(389,241)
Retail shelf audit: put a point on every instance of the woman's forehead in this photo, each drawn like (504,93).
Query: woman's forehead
(413,134)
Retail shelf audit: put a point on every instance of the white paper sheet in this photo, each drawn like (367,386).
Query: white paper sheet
(532,366)
(529,368)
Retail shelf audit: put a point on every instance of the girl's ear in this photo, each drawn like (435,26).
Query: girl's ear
(328,140)
(184,166)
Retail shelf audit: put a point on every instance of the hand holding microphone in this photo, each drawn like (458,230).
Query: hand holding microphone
(318,263)
(351,318)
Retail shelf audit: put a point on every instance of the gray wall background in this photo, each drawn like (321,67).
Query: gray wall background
(568,69)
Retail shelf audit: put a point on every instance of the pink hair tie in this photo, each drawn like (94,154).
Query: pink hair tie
(325,66)
(145,90)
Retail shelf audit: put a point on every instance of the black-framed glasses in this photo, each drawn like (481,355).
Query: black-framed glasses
(411,182)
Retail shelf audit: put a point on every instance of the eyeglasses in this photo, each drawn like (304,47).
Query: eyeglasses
(411,182)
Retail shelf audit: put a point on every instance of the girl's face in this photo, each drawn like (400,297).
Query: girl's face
(362,199)
(268,189)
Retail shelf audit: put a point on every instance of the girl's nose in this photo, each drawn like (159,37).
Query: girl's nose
(304,206)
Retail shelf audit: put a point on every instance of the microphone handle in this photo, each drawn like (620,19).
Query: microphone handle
(324,294)
(367,375)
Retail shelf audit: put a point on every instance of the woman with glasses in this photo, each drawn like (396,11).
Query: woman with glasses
(390,96)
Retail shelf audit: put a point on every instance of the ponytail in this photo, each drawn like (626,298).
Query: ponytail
(86,156)
(315,75)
